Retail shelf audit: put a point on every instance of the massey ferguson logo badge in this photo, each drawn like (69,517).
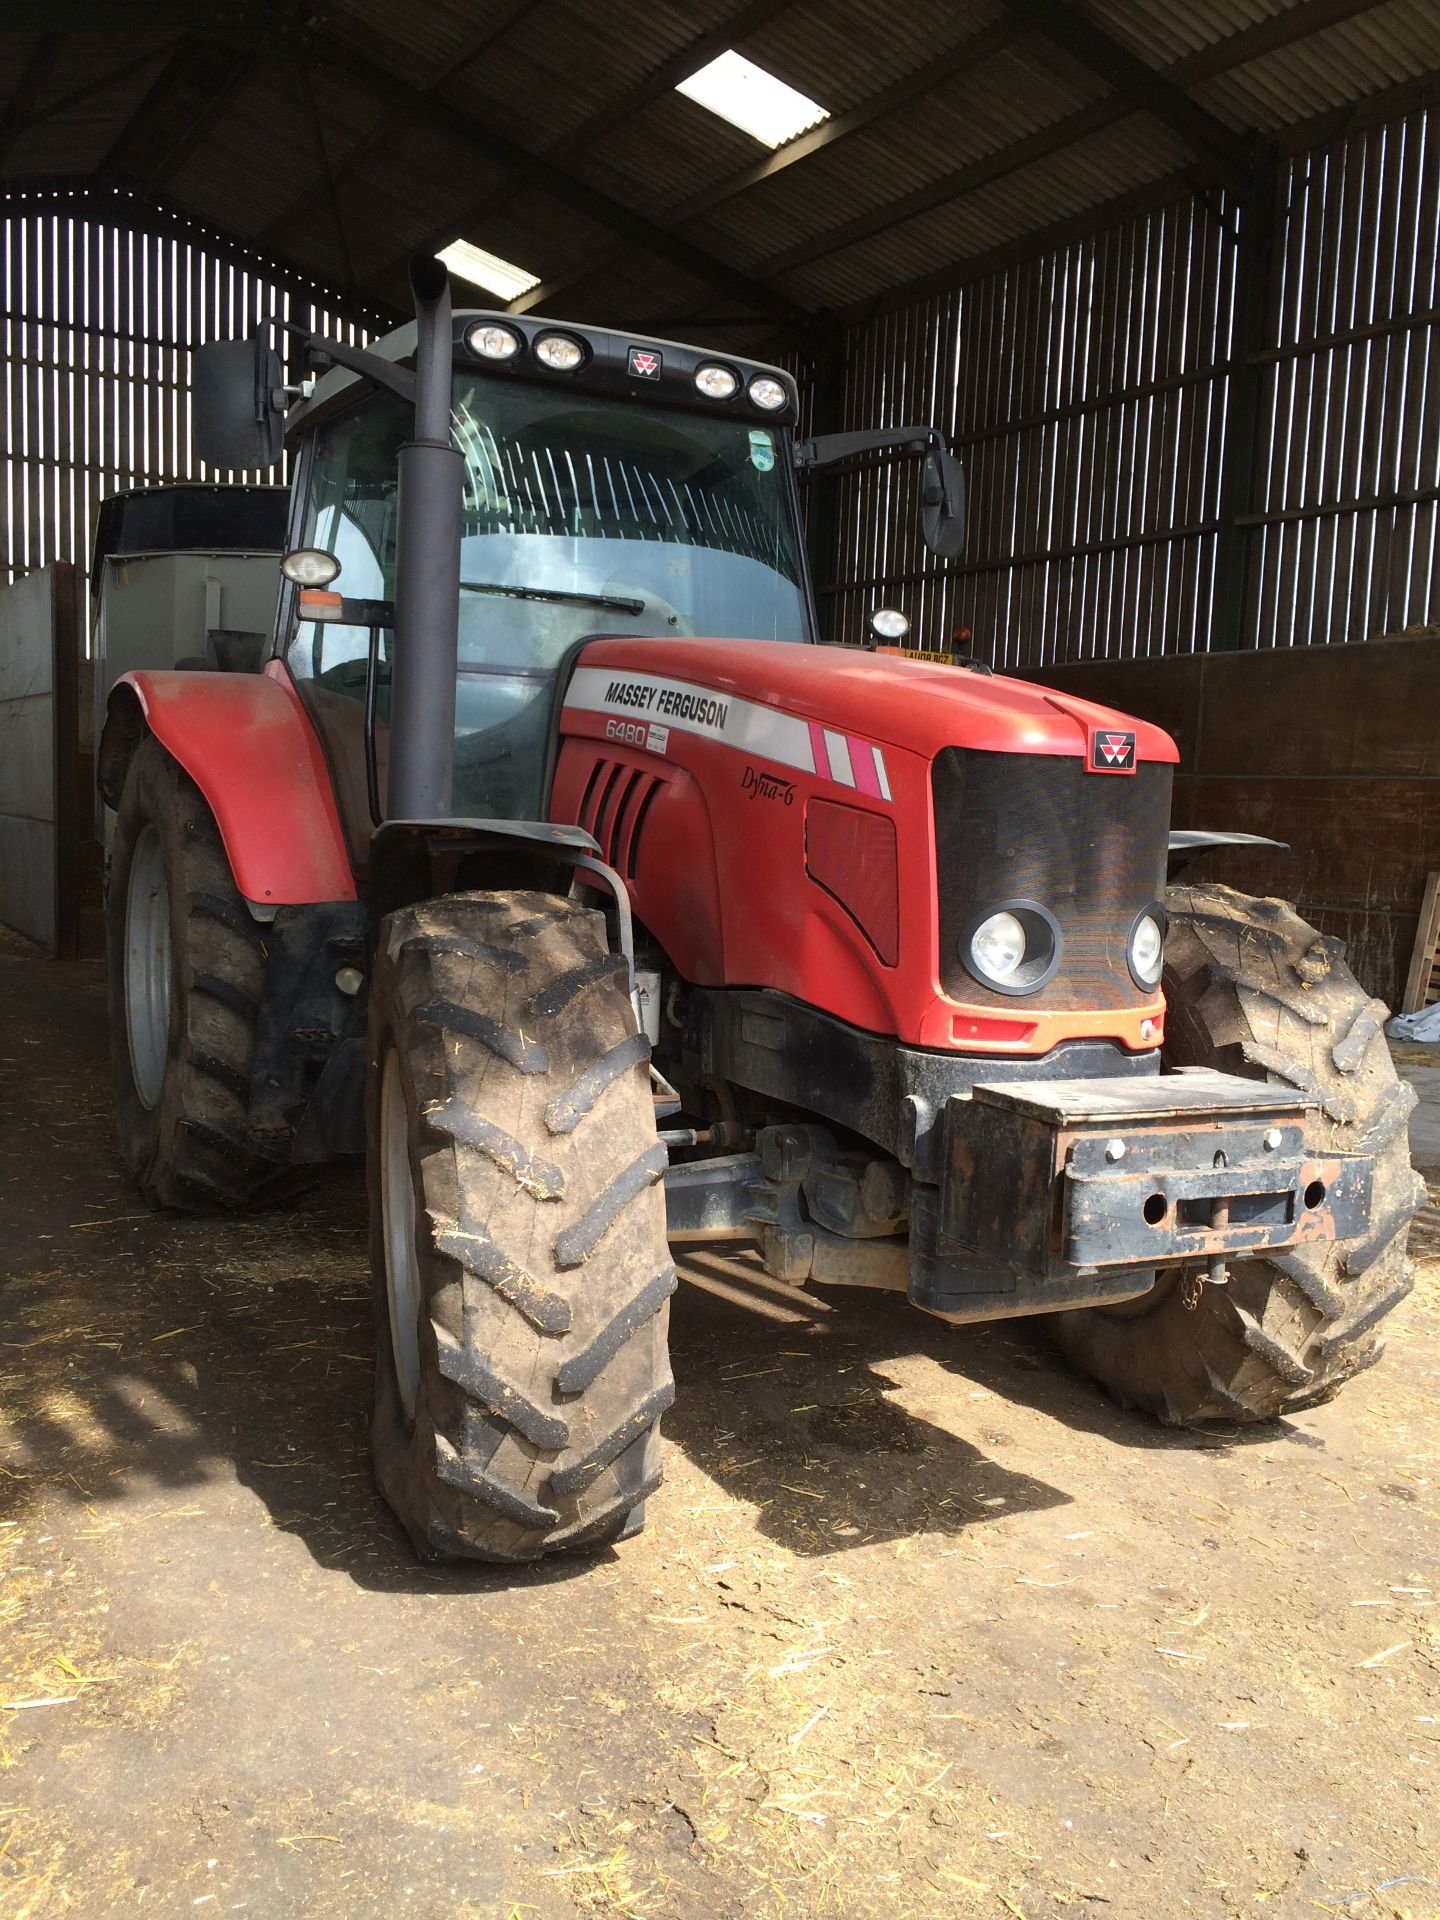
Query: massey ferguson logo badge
(1111,751)
(645,363)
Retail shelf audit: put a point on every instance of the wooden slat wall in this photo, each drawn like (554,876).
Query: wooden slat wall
(1087,391)
(98,324)
(1332,750)
(1345,520)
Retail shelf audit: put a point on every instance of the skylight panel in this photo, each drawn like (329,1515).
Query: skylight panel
(488,270)
(752,99)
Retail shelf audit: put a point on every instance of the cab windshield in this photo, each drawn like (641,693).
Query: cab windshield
(583,515)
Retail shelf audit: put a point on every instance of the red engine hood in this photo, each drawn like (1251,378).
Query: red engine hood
(884,697)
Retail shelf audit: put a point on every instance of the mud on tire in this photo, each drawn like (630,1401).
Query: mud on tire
(1252,989)
(192,1146)
(524,1419)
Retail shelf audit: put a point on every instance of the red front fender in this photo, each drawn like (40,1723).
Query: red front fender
(247,743)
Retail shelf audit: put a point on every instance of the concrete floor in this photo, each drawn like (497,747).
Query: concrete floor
(923,1626)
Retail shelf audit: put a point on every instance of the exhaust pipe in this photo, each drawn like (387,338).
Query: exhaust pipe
(427,570)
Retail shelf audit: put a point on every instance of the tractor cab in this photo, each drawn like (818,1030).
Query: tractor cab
(609,488)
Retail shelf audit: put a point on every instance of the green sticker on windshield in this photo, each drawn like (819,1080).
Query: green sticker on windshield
(762,450)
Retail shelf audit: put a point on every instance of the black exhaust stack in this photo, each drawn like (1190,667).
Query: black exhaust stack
(427,570)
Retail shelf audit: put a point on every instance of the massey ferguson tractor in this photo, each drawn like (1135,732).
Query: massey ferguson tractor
(553,862)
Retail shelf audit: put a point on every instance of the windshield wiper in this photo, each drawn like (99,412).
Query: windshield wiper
(609,600)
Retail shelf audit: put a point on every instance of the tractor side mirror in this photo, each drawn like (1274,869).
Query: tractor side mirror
(942,495)
(234,419)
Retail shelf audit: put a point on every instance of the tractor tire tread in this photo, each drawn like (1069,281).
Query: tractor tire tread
(611,1522)
(503,1397)
(194,1149)
(229,995)
(583,1369)
(229,1077)
(541,1256)
(230,913)
(568,1109)
(509,1044)
(575,1244)
(503,1496)
(619,1440)
(1383,1304)
(539,1176)
(1245,981)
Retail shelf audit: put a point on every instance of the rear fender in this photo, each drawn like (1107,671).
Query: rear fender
(247,743)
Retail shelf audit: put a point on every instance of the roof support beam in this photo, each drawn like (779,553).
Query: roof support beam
(1262,37)
(177,111)
(36,71)
(102,83)
(559,184)
(547,178)
(1251,43)
(266,30)
(1042,240)
(322,159)
(971,51)
(944,67)
(213,95)
(1310,16)
(391,122)
(822,490)
(1138,82)
(951,186)
(690,58)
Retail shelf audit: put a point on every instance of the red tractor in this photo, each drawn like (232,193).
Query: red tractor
(552,861)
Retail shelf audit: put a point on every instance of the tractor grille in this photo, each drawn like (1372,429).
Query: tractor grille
(1091,847)
(616,800)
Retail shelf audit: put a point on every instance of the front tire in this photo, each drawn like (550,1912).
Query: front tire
(522,1275)
(1252,989)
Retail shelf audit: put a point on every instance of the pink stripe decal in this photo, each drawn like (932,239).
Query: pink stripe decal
(862,764)
(818,748)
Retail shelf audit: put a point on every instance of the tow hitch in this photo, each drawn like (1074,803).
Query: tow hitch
(1085,1179)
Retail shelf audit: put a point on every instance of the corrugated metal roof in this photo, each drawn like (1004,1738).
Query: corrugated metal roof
(1376,50)
(1162,31)
(551,133)
(1119,159)
(892,43)
(876,168)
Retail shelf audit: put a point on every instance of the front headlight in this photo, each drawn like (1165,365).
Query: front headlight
(1147,948)
(1014,948)
(997,946)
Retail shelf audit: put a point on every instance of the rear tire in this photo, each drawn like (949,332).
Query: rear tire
(1252,989)
(522,1275)
(186,966)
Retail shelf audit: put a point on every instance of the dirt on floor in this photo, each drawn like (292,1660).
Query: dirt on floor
(922,1624)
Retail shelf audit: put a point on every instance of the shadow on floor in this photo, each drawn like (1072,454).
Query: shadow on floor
(139,1350)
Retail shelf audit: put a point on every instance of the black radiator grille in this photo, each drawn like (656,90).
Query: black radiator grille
(1089,846)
